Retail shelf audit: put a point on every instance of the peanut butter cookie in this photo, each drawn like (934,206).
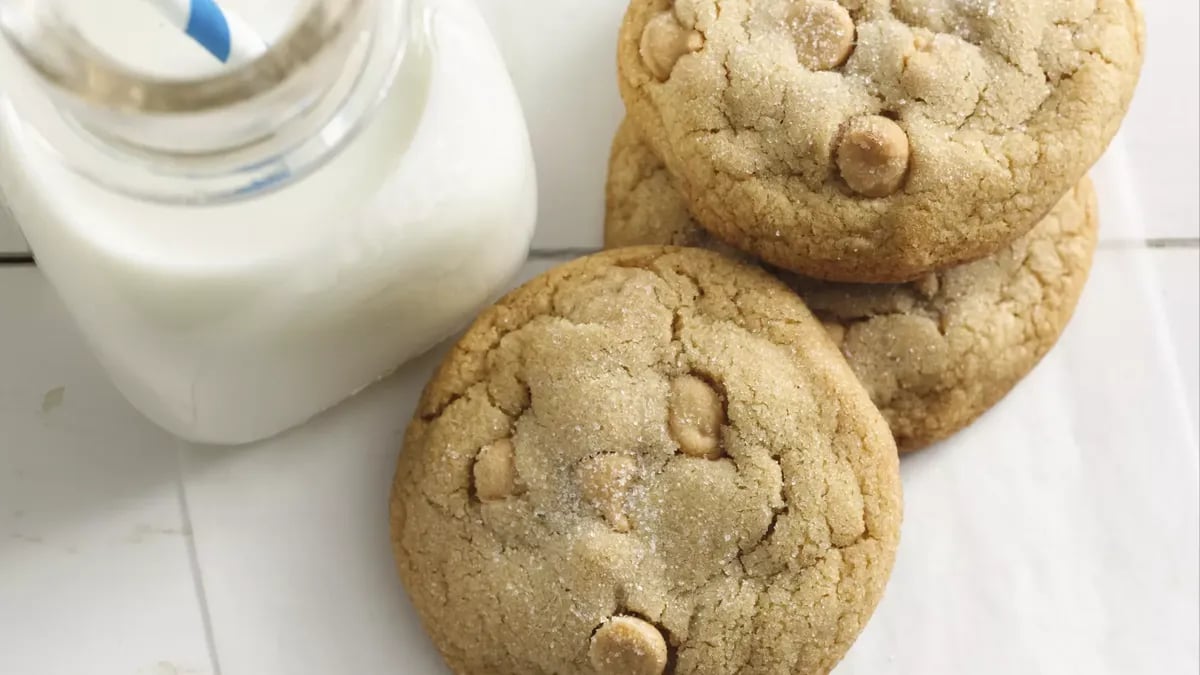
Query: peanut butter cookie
(935,353)
(646,461)
(877,140)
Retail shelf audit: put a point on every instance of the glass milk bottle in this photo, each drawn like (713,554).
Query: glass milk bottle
(246,244)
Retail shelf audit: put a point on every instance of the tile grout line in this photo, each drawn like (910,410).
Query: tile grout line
(194,562)
(1148,243)
(1151,243)
(565,252)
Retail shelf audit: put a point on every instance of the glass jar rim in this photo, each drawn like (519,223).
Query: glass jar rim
(60,56)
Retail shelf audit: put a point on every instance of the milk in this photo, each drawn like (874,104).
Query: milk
(229,323)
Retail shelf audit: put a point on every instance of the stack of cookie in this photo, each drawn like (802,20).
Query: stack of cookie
(914,169)
(655,459)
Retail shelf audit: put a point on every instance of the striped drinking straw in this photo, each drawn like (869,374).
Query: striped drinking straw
(223,35)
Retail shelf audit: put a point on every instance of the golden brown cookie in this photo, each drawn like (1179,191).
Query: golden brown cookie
(877,140)
(934,353)
(646,461)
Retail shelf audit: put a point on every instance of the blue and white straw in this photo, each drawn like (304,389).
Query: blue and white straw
(223,35)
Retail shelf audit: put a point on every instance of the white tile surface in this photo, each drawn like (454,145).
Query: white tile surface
(11,241)
(1121,213)
(94,568)
(1178,273)
(1058,535)
(292,537)
(562,56)
(1161,131)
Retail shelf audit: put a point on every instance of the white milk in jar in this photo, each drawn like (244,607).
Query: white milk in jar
(244,246)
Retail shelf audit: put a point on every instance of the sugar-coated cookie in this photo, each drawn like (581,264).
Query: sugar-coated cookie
(650,460)
(877,140)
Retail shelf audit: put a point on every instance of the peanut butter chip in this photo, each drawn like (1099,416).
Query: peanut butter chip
(626,645)
(496,471)
(824,33)
(873,156)
(604,482)
(664,41)
(837,332)
(920,77)
(695,418)
(928,285)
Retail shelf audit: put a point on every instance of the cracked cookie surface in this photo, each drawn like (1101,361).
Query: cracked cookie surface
(940,133)
(681,475)
(935,353)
